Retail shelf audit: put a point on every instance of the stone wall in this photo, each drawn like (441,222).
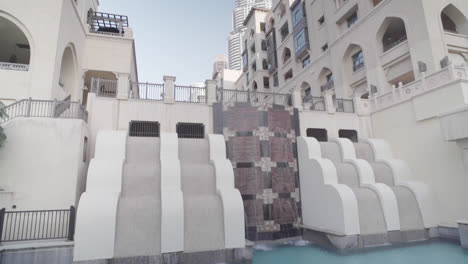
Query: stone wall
(261,144)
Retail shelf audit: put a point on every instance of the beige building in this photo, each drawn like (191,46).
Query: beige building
(399,66)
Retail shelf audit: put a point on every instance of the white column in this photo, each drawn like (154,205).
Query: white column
(123,85)
(329,101)
(297,99)
(210,92)
(169,89)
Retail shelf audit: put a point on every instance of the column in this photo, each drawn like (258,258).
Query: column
(169,89)
(123,85)
(211,86)
(297,99)
(329,101)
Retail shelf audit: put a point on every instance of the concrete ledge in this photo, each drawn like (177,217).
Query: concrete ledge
(209,257)
(38,256)
(463,232)
(352,243)
(449,233)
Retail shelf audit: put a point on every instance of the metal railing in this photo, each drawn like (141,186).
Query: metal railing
(45,108)
(144,129)
(328,86)
(107,24)
(104,88)
(14,66)
(190,94)
(37,225)
(147,91)
(314,103)
(190,130)
(395,43)
(239,96)
(344,106)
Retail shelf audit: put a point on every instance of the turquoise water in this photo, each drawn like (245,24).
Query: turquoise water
(431,253)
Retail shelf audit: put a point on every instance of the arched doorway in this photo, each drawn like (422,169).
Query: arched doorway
(68,72)
(454,21)
(15,50)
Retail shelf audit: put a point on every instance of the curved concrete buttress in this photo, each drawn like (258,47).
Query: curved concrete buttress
(327,206)
(386,195)
(233,208)
(97,209)
(402,176)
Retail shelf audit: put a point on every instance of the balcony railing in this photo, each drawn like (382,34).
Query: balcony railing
(104,88)
(344,106)
(313,103)
(239,96)
(19,226)
(328,86)
(147,91)
(14,66)
(45,108)
(190,94)
(107,24)
(395,43)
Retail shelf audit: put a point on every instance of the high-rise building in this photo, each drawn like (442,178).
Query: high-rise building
(240,12)
(220,63)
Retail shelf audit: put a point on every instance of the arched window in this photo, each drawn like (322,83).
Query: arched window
(264,45)
(15,51)
(282,9)
(454,21)
(67,79)
(254,86)
(376,2)
(306,92)
(394,34)
(265,65)
(286,55)
(272,23)
(326,79)
(252,34)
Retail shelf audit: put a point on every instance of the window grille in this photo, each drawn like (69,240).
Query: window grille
(144,129)
(318,133)
(190,130)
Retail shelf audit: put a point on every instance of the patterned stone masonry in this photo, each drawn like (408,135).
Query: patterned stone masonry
(261,144)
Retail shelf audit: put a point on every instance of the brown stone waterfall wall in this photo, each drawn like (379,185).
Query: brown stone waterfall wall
(261,144)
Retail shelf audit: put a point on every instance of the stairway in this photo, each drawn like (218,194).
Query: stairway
(371,217)
(203,212)
(410,215)
(139,212)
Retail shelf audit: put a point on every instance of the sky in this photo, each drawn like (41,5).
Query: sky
(176,37)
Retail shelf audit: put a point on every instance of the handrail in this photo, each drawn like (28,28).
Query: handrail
(395,43)
(45,108)
(190,94)
(226,95)
(33,225)
(344,106)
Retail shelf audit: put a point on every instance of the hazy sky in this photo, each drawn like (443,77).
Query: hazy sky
(176,37)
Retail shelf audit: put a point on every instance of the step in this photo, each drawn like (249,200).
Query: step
(138,231)
(198,179)
(204,224)
(194,151)
(142,150)
(331,151)
(141,179)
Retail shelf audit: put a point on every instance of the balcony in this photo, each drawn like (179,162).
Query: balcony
(107,24)
(14,66)
(395,43)
(328,86)
(313,103)
(456,41)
